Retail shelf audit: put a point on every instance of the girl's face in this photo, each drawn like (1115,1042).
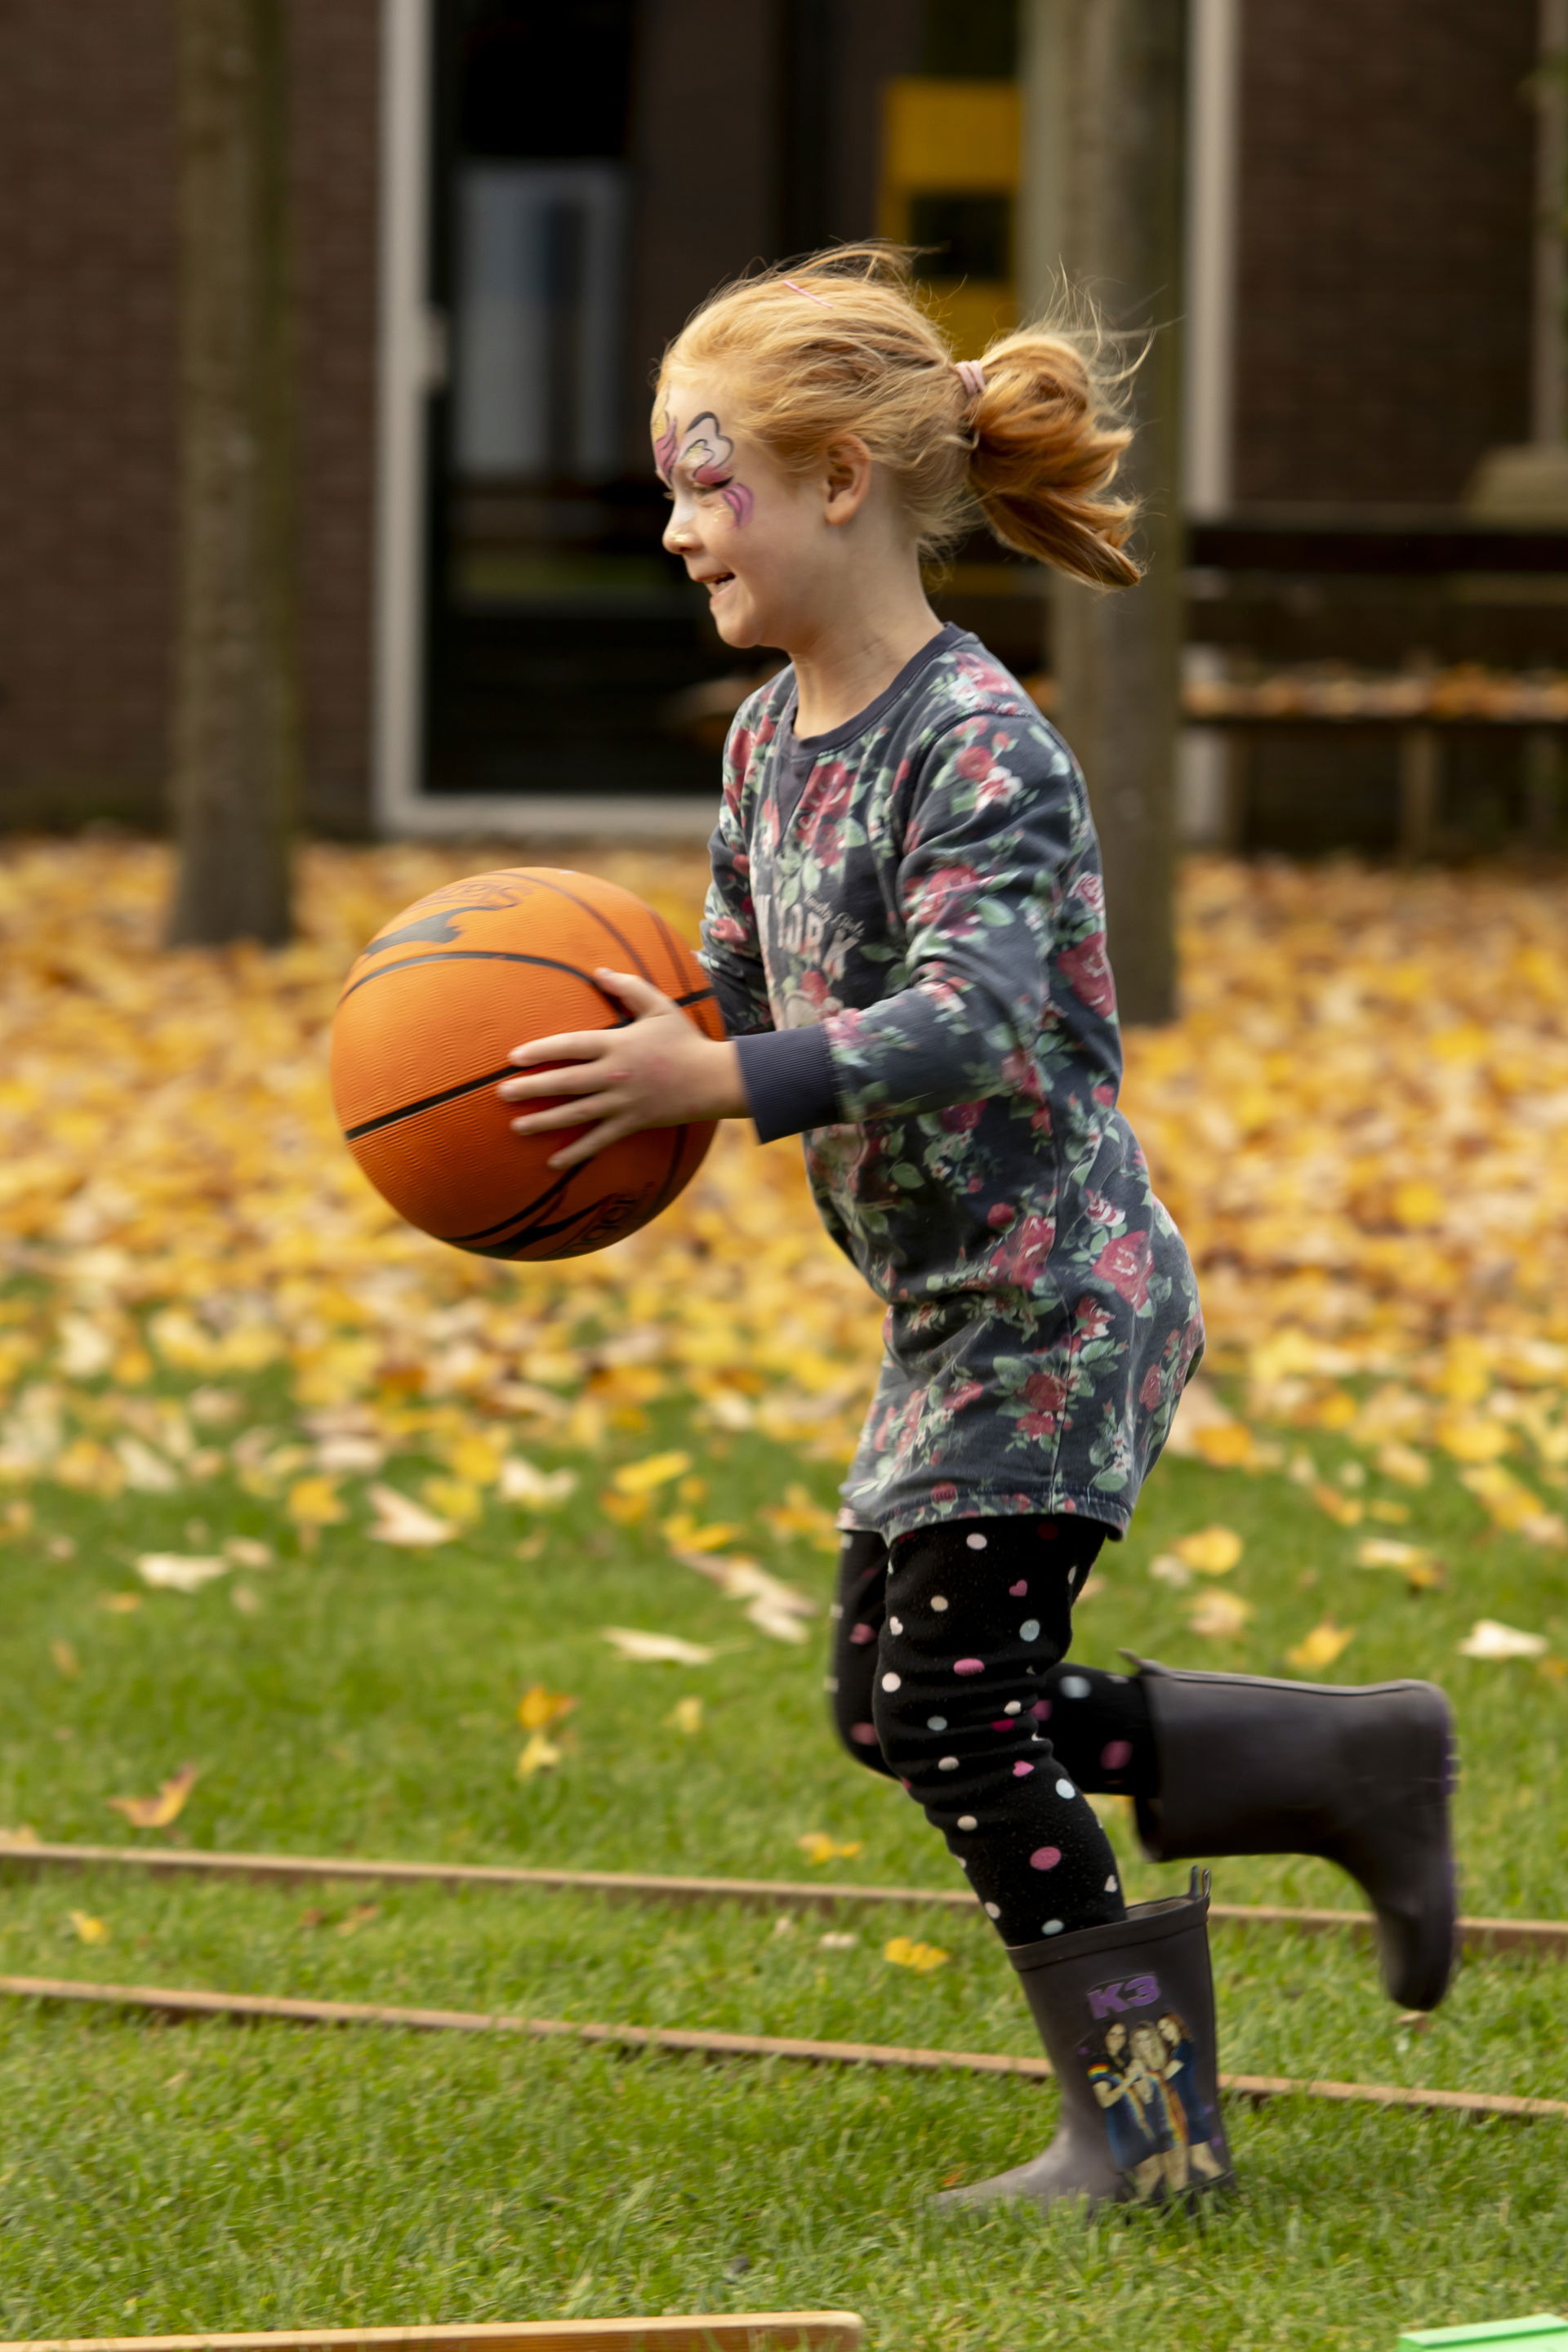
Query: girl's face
(759,539)
(1148,2046)
(1115,2041)
(1170,2031)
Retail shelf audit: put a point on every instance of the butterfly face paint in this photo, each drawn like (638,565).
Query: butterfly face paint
(706,455)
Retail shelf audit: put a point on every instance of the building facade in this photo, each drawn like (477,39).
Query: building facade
(502,209)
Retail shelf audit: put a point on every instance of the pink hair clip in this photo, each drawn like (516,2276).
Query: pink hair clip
(971,376)
(796,288)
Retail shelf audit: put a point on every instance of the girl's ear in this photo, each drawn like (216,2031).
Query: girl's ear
(847,478)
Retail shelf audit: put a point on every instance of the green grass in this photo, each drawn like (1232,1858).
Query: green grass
(157,2178)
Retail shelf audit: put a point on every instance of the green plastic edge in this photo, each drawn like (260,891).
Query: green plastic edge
(1545,2332)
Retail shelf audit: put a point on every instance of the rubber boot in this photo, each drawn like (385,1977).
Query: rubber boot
(1126,2014)
(1361,1775)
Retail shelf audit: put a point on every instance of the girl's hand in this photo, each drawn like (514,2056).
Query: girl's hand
(659,1071)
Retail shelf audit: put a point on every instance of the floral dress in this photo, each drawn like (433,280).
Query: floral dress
(905,935)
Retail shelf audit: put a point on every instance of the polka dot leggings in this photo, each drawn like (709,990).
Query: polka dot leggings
(947,1675)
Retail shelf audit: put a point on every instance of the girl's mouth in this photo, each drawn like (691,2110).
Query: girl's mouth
(720,581)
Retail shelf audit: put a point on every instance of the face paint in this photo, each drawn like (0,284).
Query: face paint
(706,451)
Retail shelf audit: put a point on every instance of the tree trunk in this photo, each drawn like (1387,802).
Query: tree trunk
(236,755)
(1108,94)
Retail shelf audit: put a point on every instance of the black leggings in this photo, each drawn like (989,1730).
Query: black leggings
(947,1675)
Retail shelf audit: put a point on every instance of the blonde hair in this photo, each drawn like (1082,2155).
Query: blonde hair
(841,344)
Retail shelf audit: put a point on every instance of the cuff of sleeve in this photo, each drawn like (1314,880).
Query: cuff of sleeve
(788,1077)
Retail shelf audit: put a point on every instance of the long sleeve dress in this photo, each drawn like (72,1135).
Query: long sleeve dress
(905,932)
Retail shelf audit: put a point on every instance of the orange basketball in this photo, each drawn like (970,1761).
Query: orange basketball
(426,1019)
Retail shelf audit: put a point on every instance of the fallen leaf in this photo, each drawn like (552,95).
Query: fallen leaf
(1402,1462)
(818,1846)
(1219,1616)
(146,1472)
(685,1716)
(921,1958)
(1421,1570)
(1489,1638)
(454,1499)
(634,1478)
(1168,1568)
(1470,1437)
(178,1571)
(90,1930)
(66,1661)
(400,1521)
(539,1707)
(536,1489)
(359,1915)
(837,1940)
(314,1504)
(1391,1514)
(157,1812)
(1321,1647)
(23,1834)
(1212,1551)
(119,1604)
(248,1551)
(1338,1505)
(656,1649)
(539,1754)
(683,1533)
(1513,1505)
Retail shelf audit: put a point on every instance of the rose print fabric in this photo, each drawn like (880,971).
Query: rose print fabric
(947,1639)
(928,901)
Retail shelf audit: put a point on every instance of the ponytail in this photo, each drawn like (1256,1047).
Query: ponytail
(1048,438)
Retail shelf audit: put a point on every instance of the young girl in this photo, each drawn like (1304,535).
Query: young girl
(905,936)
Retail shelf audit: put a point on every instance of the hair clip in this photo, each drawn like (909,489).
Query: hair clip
(971,376)
(796,289)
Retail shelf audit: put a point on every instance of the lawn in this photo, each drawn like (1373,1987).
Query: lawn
(211,1337)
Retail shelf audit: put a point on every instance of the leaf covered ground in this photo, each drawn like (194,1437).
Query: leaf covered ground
(316,1535)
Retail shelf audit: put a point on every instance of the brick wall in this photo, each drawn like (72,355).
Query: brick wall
(87,393)
(1384,303)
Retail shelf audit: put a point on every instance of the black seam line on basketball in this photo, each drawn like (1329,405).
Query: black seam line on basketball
(540,1200)
(584,907)
(430,1102)
(532,1233)
(475,955)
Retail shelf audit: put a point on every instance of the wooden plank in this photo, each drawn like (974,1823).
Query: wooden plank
(189,2001)
(1548,1938)
(734,2331)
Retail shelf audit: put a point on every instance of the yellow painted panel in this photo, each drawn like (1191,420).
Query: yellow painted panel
(972,314)
(950,134)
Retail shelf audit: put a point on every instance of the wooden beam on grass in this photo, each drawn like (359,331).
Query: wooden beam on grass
(191,2002)
(1547,1937)
(734,2331)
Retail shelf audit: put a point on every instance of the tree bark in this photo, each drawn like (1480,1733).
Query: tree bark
(1109,85)
(237,744)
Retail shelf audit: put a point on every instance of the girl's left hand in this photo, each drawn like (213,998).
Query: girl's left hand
(658,1071)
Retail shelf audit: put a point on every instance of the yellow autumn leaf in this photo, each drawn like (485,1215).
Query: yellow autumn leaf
(1470,1437)
(624,1509)
(541,1754)
(157,1812)
(315,1503)
(636,1478)
(475,1460)
(1212,1551)
(1347,1510)
(819,1847)
(1220,1616)
(685,1716)
(904,1953)
(1321,1647)
(90,1930)
(1226,1446)
(1402,1462)
(453,1498)
(683,1533)
(1422,1572)
(66,1661)
(539,1707)
(1516,1507)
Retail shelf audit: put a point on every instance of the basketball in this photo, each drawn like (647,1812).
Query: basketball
(429,1012)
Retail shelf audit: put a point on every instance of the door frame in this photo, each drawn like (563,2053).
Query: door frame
(411,369)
